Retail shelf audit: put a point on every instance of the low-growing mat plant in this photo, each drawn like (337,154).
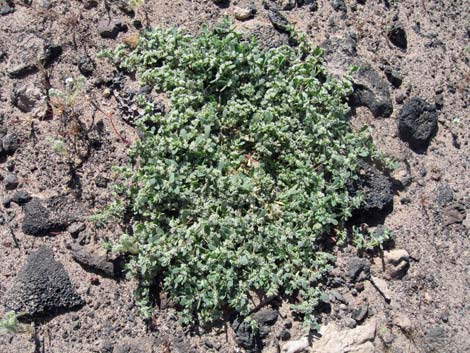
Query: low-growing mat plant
(234,190)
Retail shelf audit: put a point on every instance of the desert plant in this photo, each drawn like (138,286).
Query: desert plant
(233,190)
(9,323)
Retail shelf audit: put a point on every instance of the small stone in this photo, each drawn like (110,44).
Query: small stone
(359,286)
(397,35)
(360,312)
(445,317)
(454,213)
(36,219)
(397,263)
(10,143)
(403,322)
(11,181)
(86,66)
(42,287)
(334,295)
(400,97)
(90,4)
(417,123)
(93,262)
(101,181)
(110,29)
(6,7)
(393,77)
(339,5)
(358,269)
(29,99)
(401,177)
(284,335)
(21,197)
(6,201)
(246,338)
(296,346)
(388,337)
(371,90)
(244,13)
(107,93)
(75,229)
(286,5)
(350,323)
(439,100)
(278,21)
(382,286)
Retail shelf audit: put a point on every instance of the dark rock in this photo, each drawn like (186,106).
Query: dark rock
(377,190)
(93,262)
(36,219)
(312,4)
(90,4)
(393,77)
(6,7)
(371,91)
(454,213)
(42,287)
(2,55)
(334,295)
(21,197)
(101,181)
(253,341)
(10,143)
(417,123)
(86,66)
(110,29)
(278,21)
(339,5)
(51,51)
(11,181)
(444,194)
(362,2)
(284,335)
(397,35)
(358,269)
(6,201)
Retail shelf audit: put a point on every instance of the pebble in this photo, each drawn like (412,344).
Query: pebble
(244,13)
(6,201)
(21,197)
(397,35)
(11,181)
(10,143)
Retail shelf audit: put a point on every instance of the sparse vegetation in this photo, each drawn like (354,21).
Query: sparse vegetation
(9,323)
(232,192)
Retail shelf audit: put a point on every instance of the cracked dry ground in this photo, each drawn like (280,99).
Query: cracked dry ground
(412,90)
